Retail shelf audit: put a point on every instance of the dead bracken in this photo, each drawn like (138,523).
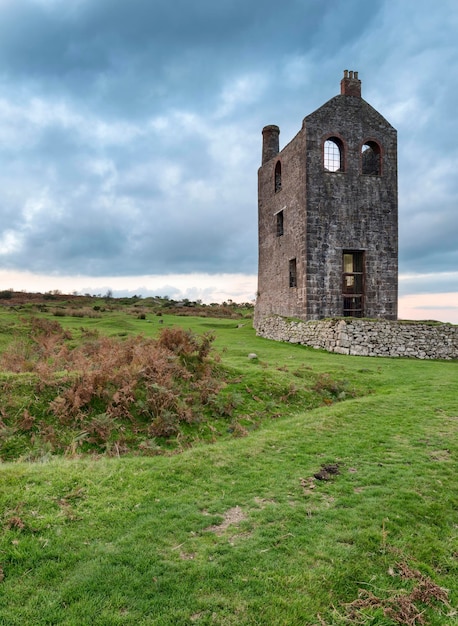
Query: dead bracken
(405,608)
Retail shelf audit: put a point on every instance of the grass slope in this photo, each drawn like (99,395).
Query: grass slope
(73,389)
(241,531)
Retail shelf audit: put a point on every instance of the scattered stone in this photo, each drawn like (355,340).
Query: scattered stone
(252,355)
(322,475)
(327,471)
(332,469)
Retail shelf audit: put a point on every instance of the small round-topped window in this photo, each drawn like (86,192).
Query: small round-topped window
(333,155)
(370,158)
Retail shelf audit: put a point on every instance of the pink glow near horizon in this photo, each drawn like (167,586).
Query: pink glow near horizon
(442,307)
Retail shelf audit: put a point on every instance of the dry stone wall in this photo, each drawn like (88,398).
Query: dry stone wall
(366,337)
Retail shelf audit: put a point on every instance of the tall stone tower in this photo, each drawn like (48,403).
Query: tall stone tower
(328,214)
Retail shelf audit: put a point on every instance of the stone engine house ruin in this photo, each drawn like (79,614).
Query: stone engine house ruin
(328,214)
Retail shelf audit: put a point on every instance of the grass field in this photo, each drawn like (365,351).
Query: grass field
(343,513)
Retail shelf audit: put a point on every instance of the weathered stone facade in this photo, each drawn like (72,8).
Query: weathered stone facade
(328,233)
(367,337)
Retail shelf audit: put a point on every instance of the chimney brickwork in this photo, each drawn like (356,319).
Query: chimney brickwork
(350,85)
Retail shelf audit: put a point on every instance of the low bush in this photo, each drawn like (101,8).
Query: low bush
(104,391)
(79,391)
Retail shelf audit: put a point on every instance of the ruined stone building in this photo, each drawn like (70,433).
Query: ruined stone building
(328,232)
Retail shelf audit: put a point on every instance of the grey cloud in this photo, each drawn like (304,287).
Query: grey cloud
(130,132)
(440,282)
(139,56)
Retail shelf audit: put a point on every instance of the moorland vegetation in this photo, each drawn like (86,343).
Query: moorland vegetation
(160,464)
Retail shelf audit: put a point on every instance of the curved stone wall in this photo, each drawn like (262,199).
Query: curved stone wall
(366,337)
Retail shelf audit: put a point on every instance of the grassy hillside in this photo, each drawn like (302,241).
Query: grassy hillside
(122,382)
(334,502)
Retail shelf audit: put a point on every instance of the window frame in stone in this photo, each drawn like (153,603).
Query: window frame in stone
(292,273)
(277,177)
(280,223)
(371,166)
(353,282)
(333,154)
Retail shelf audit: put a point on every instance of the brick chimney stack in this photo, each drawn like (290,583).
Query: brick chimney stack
(350,85)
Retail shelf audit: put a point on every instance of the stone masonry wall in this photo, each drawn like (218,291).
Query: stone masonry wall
(366,337)
(274,292)
(349,210)
(325,214)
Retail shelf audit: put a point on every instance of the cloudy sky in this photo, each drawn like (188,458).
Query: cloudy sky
(130,136)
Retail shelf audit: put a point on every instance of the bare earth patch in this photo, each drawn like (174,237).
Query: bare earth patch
(232,516)
(440,455)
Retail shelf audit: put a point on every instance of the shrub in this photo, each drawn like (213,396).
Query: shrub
(107,393)
(189,347)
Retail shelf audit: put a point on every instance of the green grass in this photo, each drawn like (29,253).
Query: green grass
(227,395)
(147,540)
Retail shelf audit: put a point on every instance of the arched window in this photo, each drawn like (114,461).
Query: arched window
(370,158)
(278,176)
(333,155)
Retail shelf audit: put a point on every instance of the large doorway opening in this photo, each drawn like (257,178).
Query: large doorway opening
(353,283)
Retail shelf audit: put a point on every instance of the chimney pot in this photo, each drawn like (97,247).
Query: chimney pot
(350,85)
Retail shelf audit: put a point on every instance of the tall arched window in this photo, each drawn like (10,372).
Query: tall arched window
(278,176)
(370,158)
(333,155)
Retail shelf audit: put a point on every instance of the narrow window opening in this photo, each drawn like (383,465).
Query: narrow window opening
(278,177)
(353,283)
(333,155)
(279,223)
(292,273)
(370,158)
